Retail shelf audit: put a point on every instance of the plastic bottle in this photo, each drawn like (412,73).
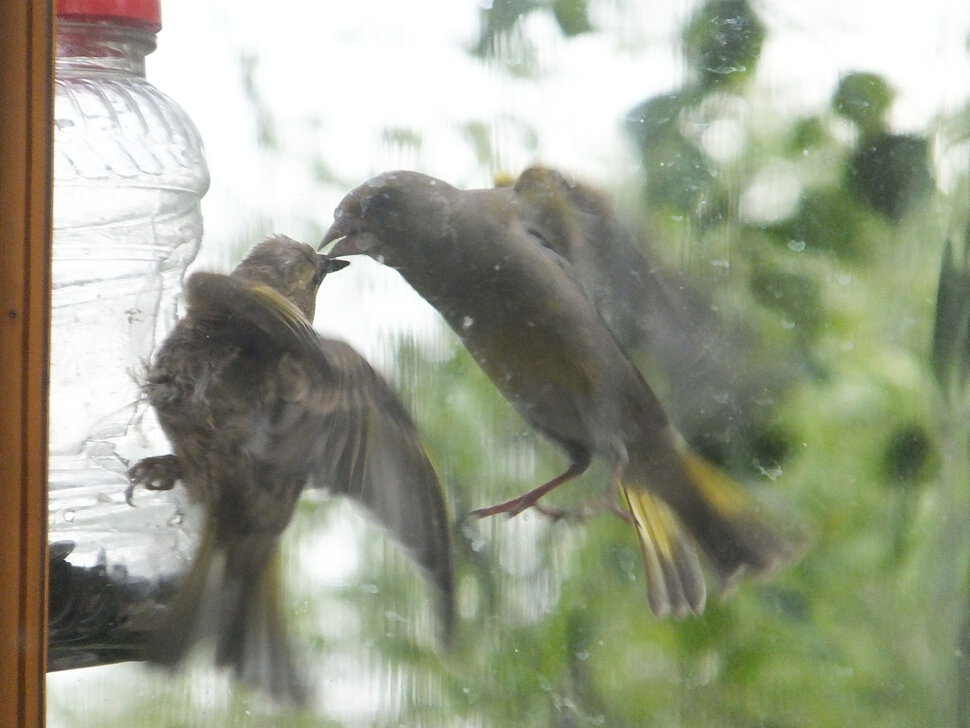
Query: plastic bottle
(129,174)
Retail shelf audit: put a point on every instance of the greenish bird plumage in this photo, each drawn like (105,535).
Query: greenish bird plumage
(721,381)
(257,406)
(520,308)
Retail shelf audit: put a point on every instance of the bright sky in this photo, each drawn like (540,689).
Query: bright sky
(362,66)
(336,75)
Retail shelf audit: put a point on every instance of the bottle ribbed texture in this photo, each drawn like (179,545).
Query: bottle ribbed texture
(129,174)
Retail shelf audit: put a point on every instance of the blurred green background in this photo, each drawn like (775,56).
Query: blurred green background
(837,246)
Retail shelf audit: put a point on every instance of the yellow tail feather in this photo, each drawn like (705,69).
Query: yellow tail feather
(724,521)
(719,490)
(675,583)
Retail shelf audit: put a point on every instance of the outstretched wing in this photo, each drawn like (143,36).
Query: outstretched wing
(371,452)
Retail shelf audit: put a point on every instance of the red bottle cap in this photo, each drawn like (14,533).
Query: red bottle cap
(145,14)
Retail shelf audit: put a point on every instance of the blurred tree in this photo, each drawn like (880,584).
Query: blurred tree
(889,172)
(722,44)
(500,18)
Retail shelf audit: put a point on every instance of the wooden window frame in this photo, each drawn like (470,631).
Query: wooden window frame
(26,91)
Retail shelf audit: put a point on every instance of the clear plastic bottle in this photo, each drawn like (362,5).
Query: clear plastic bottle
(129,174)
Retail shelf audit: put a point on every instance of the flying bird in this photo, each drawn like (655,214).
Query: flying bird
(258,406)
(521,310)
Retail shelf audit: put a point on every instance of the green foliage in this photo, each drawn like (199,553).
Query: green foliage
(266,133)
(500,34)
(890,173)
(571,16)
(951,332)
(864,98)
(402,137)
(722,43)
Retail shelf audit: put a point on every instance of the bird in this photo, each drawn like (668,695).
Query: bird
(520,309)
(258,406)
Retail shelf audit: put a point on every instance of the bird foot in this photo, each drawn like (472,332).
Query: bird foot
(586,511)
(154,473)
(510,507)
(515,506)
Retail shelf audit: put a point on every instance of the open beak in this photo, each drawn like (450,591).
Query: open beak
(351,240)
(342,227)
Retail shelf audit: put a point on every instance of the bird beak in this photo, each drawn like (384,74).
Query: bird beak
(351,240)
(341,228)
(330,265)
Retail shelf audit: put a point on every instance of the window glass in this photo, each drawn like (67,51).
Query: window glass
(770,201)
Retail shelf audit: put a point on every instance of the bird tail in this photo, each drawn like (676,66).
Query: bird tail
(675,584)
(233,593)
(700,507)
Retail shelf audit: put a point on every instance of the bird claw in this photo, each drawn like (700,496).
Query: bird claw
(528,500)
(153,473)
(510,507)
(515,506)
(585,512)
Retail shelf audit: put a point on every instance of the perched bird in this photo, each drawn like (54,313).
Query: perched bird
(720,382)
(521,311)
(258,406)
